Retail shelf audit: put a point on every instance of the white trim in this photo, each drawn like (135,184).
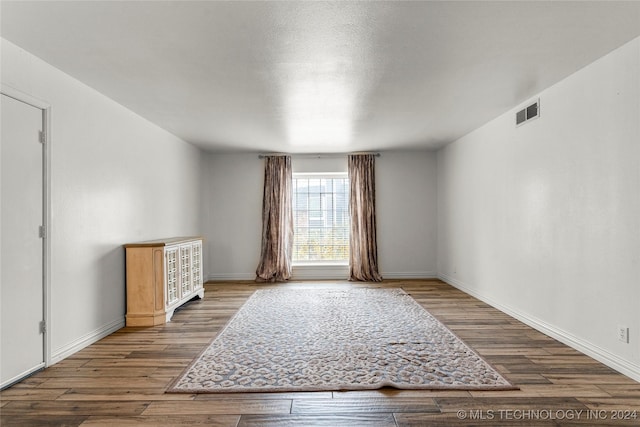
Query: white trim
(320,175)
(21,376)
(87,340)
(231,276)
(320,263)
(409,275)
(325,272)
(604,356)
(47,250)
(46,206)
(299,272)
(23,97)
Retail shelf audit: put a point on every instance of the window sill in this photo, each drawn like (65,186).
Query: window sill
(316,264)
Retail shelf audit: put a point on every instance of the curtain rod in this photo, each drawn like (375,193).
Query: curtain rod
(315,155)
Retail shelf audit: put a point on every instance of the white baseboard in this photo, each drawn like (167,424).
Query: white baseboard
(303,272)
(409,275)
(22,375)
(231,276)
(86,341)
(604,356)
(324,272)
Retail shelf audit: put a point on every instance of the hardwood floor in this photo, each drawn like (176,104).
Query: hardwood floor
(120,380)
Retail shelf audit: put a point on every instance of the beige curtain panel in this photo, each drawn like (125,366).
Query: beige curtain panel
(363,256)
(277,221)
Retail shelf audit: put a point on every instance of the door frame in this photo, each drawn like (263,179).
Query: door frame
(45,107)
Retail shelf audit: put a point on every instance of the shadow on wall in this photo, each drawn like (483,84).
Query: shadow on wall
(110,298)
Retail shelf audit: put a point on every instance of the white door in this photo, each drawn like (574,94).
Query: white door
(21,251)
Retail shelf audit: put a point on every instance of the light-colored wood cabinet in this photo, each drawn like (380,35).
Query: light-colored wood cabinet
(162,275)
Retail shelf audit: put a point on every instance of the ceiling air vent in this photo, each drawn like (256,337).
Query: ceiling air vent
(528,113)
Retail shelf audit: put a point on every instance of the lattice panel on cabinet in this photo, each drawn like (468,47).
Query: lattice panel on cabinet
(196,256)
(172,275)
(185,269)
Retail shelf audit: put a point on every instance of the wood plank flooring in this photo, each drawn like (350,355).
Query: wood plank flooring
(120,380)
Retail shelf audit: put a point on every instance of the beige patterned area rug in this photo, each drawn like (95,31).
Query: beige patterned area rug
(335,339)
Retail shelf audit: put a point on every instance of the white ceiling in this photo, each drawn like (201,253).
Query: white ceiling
(319,76)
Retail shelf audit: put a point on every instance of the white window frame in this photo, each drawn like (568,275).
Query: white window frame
(321,175)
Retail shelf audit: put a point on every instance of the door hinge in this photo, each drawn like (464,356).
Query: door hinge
(43,327)
(42,232)
(42,136)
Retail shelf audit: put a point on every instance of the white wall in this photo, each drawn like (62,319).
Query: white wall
(543,220)
(232,194)
(406,213)
(115,178)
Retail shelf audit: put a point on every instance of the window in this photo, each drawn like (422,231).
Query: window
(321,218)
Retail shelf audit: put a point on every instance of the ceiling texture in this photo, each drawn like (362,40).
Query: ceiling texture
(319,77)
